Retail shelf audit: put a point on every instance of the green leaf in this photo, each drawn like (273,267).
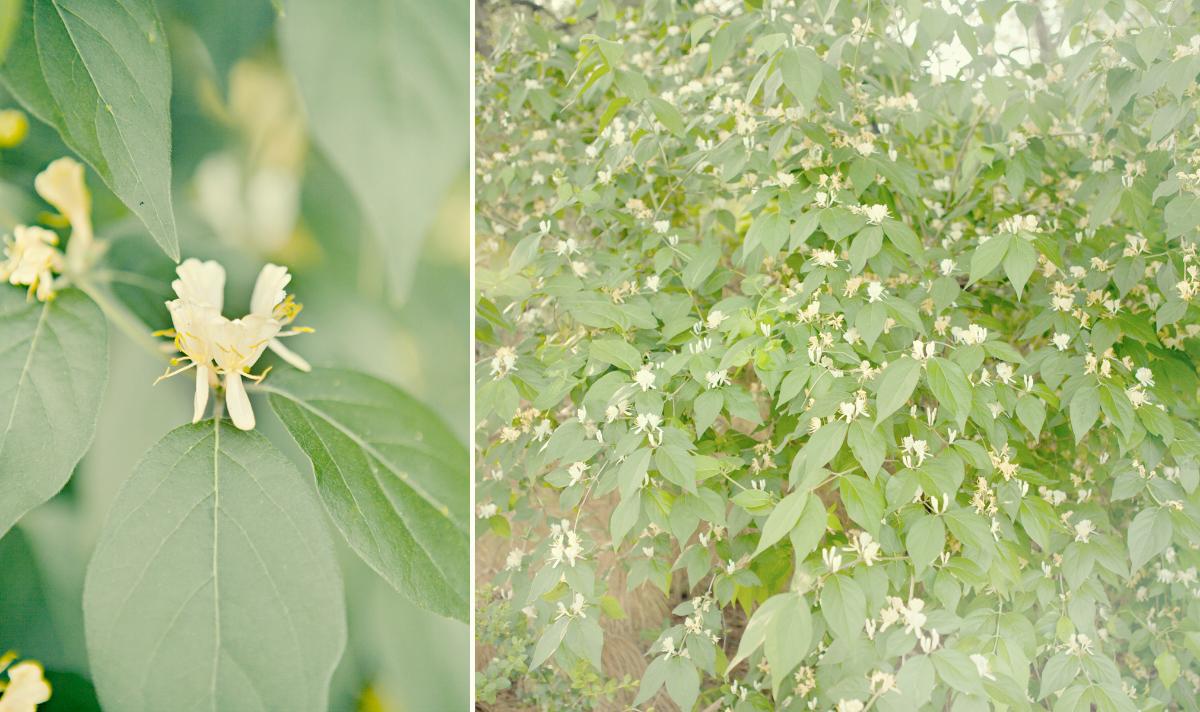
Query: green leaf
(987,257)
(214,581)
(1149,533)
(398,135)
(1116,406)
(549,642)
(925,541)
(760,624)
(10,16)
(896,386)
(706,409)
(1084,409)
(788,638)
(1031,411)
(868,446)
(782,520)
(955,668)
(100,74)
(801,70)
(617,353)
(951,388)
(1019,262)
(844,606)
(53,367)
(903,237)
(667,115)
(1168,669)
(393,478)
(769,230)
(683,682)
(863,502)
(677,465)
(823,445)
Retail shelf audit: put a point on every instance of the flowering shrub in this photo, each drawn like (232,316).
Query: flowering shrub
(854,341)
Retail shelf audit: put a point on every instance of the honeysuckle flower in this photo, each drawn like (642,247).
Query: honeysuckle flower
(644,378)
(62,185)
(31,258)
(216,346)
(1083,530)
(27,688)
(504,361)
(1061,341)
(982,666)
(875,292)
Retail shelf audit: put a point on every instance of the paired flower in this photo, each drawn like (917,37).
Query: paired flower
(216,346)
(31,254)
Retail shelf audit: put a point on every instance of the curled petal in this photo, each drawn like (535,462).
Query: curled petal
(269,289)
(201,283)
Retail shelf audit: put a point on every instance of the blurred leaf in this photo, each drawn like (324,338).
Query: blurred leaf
(10,16)
(98,71)
(71,693)
(219,589)
(26,622)
(391,475)
(228,28)
(53,367)
(384,83)
(141,277)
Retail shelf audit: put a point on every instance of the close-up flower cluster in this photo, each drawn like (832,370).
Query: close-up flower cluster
(838,356)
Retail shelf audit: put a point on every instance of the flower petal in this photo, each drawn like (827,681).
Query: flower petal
(61,185)
(202,283)
(238,402)
(288,355)
(200,401)
(269,289)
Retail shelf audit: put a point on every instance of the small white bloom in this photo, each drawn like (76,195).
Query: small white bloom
(31,258)
(1061,340)
(27,688)
(715,318)
(982,666)
(644,378)
(875,292)
(1084,530)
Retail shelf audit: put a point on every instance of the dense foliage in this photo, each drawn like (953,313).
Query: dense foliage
(870,322)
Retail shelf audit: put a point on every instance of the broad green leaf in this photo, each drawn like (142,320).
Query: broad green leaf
(27,622)
(801,70)
(706,409)
(1149,533)
(1031,411)
(823,445)
(391,475)
(98,71)
(844,606)
(1019,262)
(770,231)
(53,367)
(549,642)
(951,388)
(1116,406)
(987,256)
(955,668)
(667,115)
(760,624)
(398,136)
(782,520)
(863,502)
(868,446)
(896,386)
(788,638)
(925,541)
(617,353)
(652,680)
(903,237)
(214,583)
(1167,666)
(683,682)
(1084,410)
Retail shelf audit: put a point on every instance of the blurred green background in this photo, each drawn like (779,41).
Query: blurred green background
(344,159)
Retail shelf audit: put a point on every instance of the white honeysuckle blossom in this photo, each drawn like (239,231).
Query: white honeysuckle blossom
(31,253)
(982,666)
(644,378)
(217,346)
(875,292)
(31,259)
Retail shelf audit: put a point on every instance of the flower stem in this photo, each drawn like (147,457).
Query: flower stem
(122,318)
